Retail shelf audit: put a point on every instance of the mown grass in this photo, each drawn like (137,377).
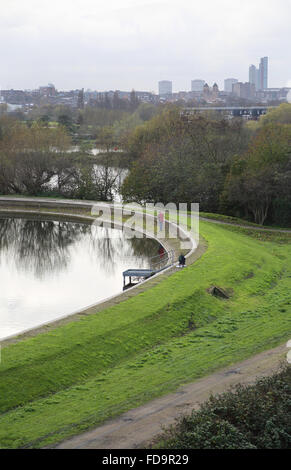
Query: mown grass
(62,382)
(264,235)
(229,219)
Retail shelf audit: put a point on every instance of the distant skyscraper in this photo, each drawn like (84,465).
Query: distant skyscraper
(165,87)
(264,73)
(254,76)
(259,76)
(228,82)
(197,85)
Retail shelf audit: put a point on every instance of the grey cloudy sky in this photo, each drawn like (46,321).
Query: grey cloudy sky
(125,44)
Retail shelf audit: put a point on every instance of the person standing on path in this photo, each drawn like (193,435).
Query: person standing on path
(161,220)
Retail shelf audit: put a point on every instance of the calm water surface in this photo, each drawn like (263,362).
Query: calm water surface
(49,269)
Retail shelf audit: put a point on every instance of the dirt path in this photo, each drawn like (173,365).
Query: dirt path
(139,426)
(247,227)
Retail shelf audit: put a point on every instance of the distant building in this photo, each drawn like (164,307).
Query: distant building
(273,94)
(264,73)
(197,85)
(17,97)
(259,76)
(215,91)
(48,90)
(206,91)
(228,82)
(210,94)
(254,76)
(244,90)
(165,87)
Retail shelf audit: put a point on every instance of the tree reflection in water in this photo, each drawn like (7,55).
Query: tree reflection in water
(110,247)
(43,247)
(39,246)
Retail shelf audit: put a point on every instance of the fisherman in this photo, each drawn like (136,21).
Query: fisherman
(182,261)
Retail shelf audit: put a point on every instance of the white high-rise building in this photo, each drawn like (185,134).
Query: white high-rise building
(228,82)
(197,85)
(165,87)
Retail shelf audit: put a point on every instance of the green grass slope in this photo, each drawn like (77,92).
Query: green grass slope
(62,382)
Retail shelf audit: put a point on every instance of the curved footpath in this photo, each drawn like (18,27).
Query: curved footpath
(137,428)
(39,202)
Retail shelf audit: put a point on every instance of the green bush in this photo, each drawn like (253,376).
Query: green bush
(246,417)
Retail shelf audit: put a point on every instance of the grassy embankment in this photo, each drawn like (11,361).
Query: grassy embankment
(60,383)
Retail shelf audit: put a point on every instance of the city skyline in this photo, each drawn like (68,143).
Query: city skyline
(137,43)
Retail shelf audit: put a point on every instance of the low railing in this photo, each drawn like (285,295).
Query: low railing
(163,260)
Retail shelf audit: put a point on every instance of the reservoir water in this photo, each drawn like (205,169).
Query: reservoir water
(49,269)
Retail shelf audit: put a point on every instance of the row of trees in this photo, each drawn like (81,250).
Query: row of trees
(177,160)
(105,101)
(226,166)
(90,121)
(259,181)
(35,161)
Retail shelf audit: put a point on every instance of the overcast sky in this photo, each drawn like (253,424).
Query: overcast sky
(125,44)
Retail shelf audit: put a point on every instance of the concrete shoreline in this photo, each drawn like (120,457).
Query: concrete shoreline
(34,207)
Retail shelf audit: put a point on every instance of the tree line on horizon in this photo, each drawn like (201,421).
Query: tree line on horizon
(227,166)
